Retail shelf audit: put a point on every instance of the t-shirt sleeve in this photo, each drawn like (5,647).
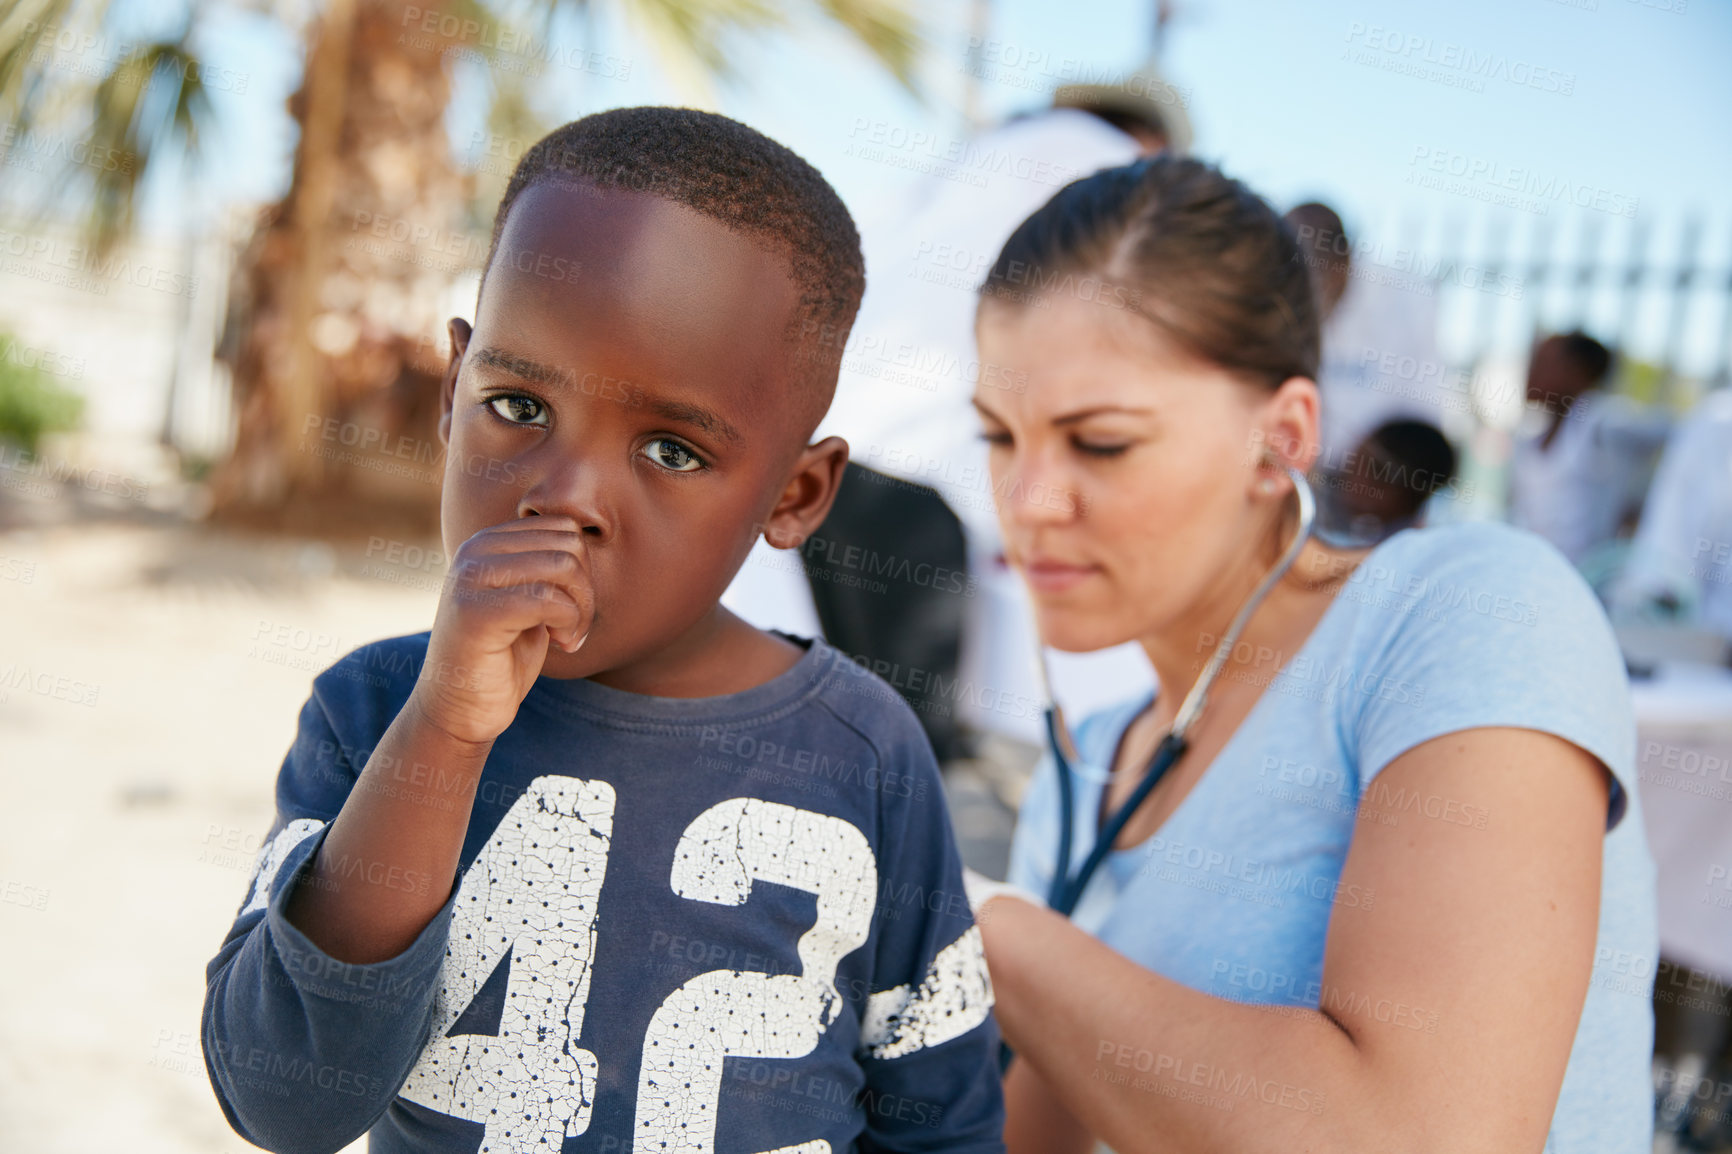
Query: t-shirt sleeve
(306,1052)
(929,1042)
(1491,627)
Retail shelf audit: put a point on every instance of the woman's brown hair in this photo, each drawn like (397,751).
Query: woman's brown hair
(1204,258)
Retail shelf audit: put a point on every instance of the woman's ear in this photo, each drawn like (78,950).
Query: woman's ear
(1290,423)
(806,499)
(460,332)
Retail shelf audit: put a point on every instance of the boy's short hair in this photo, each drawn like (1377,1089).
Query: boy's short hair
(732,174)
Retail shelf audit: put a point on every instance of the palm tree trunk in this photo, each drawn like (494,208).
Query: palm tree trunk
(334,337)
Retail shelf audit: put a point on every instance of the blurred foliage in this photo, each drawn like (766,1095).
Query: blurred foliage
(141,101)
(68,88)
(1639,380)
(32,403)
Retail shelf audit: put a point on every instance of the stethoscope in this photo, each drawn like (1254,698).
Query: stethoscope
(1067,888)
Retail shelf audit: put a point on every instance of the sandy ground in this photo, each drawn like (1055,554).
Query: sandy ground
(150,678)
(151,671)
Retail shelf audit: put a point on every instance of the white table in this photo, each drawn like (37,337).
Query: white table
(1684,766)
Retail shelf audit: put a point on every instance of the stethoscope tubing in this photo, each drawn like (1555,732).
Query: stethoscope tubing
(1066,889)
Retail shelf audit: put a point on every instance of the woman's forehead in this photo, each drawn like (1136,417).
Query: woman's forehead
(1073,357)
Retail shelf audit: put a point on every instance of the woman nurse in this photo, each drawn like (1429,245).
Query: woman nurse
(1362,910)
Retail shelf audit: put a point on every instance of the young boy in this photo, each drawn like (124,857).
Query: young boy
(593,865)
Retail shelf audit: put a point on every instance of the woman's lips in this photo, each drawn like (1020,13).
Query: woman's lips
(1056,576)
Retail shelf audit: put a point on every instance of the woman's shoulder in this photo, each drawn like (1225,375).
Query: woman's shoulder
(1477,569)
(1487,625)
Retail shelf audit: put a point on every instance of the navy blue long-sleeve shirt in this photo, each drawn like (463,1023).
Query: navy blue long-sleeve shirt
(731,924)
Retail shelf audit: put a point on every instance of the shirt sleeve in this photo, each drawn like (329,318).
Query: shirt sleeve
(306,1052)
(930,1046)
(1492,627)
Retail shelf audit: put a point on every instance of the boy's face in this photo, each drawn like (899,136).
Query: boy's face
(629,367)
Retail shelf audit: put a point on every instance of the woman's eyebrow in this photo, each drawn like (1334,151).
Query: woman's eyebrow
(1098,411)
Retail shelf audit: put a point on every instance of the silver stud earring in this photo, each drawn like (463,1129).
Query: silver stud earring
(1266,485)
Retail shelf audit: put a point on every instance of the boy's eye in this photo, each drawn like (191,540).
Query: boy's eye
(519,409)
(672,455)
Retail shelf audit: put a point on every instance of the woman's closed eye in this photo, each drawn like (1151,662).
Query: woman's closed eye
(1088,446)
(518,408)
(671,455)
(1100,448)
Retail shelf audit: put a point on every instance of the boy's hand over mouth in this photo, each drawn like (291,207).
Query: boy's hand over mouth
(513,589)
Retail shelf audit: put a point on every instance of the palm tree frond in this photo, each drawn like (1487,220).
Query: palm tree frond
(151,100)
(887,29)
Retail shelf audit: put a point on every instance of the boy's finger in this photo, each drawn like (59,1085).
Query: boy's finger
(514,610)
(542,537)
(497,571)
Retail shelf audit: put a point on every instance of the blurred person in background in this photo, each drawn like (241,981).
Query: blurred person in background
(1680,564)
(1369,322)
(1582,452)
(915,498)
(1390,483)
(1286,946)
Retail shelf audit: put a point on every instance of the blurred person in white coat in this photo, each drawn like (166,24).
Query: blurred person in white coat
(1680,563)
(903,404)
(1582,453)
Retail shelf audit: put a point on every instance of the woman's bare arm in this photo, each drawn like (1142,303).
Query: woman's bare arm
(1035,1121)
(1483,936)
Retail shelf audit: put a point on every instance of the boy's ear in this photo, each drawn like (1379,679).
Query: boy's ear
(806,499)
(460,332)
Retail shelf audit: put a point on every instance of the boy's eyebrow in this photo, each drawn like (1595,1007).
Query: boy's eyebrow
(523,367)
(708,420)
(537,373)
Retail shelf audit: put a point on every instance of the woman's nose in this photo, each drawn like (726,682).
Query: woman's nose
(569,486)
(1037,490)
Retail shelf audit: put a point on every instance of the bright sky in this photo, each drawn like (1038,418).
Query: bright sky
(1626,104)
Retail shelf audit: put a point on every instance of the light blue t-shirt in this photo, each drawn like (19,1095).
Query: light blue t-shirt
(1438,630)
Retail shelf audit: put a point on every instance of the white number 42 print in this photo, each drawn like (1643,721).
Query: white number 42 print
(531,896)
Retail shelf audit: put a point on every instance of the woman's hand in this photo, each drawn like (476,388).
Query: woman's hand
(982,889)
